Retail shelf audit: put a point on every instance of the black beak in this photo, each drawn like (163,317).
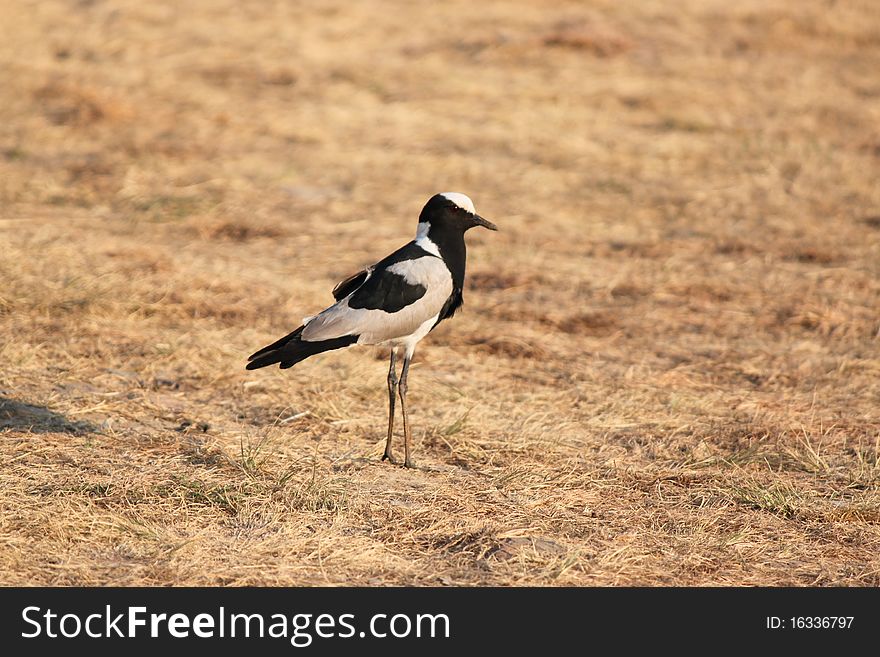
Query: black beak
(479,221)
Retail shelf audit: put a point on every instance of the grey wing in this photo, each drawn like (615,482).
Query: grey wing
(413,290)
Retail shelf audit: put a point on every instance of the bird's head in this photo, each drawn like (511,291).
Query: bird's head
(452,211)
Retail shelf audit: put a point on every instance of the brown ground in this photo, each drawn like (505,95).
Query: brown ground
(667,369)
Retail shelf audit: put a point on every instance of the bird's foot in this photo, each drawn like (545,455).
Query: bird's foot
(388,457)
(409,463)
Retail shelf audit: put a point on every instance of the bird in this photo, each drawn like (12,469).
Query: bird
(395,302)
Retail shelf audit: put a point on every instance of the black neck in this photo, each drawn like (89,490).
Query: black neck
(452,249)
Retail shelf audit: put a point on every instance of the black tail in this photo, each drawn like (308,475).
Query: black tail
(291,349)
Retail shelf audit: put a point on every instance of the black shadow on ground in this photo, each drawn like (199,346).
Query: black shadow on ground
(20,416)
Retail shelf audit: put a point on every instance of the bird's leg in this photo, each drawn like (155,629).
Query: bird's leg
(392,392)
(407,461)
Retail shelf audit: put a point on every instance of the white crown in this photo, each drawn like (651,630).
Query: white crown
(460,200)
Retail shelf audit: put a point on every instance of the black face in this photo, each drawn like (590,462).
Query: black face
(440,212)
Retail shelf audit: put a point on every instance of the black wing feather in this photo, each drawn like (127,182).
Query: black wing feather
(350,284)
(290,350)
(277,344)
(374,287)
(387,291)
(377,288)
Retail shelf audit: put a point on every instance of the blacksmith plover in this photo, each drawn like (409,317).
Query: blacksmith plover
(396,302)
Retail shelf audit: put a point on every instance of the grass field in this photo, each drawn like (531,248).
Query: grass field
(667,368)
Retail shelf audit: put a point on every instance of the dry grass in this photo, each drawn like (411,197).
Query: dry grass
(667,370)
